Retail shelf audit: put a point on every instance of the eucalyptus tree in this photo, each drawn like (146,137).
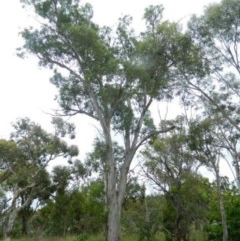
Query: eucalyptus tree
(110,76)
(230,139)
(26,177)
(203,141)
(231,201)
(172,167)
(10,158)
(226,138)
(216,34)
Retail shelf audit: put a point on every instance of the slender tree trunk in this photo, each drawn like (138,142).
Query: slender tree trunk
(7,238)
(113,209)
(221,206)
(113,204)
(237,170)
(180,236)
(13,211)
(24,213)
(10,224)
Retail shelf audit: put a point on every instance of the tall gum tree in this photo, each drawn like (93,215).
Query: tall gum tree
(206,144)
(217,35)
(109,76)
(173,169)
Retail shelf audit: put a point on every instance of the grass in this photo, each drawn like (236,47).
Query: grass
(125,237)
(98,237)
(195,236)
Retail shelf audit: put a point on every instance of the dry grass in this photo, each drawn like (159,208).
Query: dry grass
(99,237)
(195,236)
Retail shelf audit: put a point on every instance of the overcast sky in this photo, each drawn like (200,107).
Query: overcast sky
(24,87)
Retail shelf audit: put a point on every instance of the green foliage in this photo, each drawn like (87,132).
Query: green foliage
(170,165)
(201,135)
(11,156)
(113,68)
(23,163)
(142,217)
(231,200)
(61,178)
(216,33)
(153,16)
(72,211)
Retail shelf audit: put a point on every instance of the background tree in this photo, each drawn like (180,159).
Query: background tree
(73,212)
(216,35)
(142,213)
(208,151)
(61,179)
(28,179)
(172,167)
(213,226)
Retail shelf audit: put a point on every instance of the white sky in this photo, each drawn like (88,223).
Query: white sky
(25,90)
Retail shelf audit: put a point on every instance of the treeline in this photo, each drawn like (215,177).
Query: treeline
(70,199)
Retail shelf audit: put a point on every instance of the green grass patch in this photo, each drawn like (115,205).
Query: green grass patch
(83,237)
(99,237)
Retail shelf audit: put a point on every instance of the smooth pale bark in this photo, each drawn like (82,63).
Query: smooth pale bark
(14,210)
(116,192)
(115,195)
(113,208)
(10,225)
(114,217)
(221,205)
(237,171)
(232,147)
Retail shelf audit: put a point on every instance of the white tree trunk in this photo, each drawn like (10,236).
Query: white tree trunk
(14,210)
(10,224)
(113,208)
(114,217)
(237,171)
(221,205)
